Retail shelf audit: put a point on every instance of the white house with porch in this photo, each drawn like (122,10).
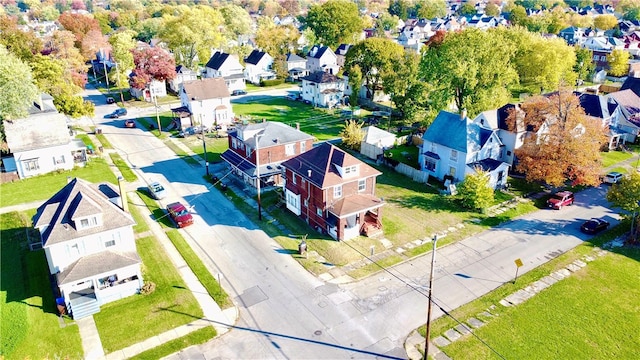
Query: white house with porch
(228,67)
(322,89)
(208,102)
(89,244)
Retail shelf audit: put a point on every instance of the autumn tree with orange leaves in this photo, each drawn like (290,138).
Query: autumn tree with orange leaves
(561,142)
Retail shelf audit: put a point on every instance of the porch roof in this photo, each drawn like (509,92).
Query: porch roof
(96,264)
(249,168)
(354,204)
(488,165)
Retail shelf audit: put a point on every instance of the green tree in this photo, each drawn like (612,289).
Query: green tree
(237,20)
(374,57)
(618,62)
(492,9)
(605,22)
(122,44)
(475,192)
(335,22)
(626,196)
(16,86)
(562,142)
(192,34)
(399,8)
(430,9)
(468,9)
(22,44)
(276,39)
(584,66)
(408,92)
(472,68)
(355,82)
(518,16)
(352,134)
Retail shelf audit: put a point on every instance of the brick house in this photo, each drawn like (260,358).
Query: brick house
(266,144)
(333,192)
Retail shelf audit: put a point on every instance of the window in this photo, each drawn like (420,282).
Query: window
(350,170)
(110,243)
(430,164)
(303,147)
(306,203)
(319,211)
(452,171)
(454,155)
(337,191)
(59,159)
(234,143)
(508,153)
(88,222)
(293,202)
(290,149)
(293,177)
(362,185)
(31,165)
(433,148)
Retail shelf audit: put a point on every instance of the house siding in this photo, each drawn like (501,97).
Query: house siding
(206,111)
(48,159)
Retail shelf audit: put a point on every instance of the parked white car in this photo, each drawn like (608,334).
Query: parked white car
(613,177)
(157,191)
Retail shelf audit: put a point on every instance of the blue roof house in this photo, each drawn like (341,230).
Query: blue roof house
(454,146)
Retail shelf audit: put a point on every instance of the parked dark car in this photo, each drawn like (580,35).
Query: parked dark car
(179,214)
(111,100)
(594,226)
(238,92)
(117,113)
(129,123)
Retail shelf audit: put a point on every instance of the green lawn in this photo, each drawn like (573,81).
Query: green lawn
(29,323)
(593,314)
(613,157)
(44,186)
(125,170)
(139,317)
(319,123)
(200,336)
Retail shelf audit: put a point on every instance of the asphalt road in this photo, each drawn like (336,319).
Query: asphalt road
(287,313)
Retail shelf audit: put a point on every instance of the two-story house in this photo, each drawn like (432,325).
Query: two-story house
(226,66)
(572,35)
(341,54)
(182,74)
(607,112)
(41,142)
(322,89)
(454,146)
(629,119)
(208,102)
(88,241)
(296,66)
(322,58)
(333,192)
(258,66)
(257,150)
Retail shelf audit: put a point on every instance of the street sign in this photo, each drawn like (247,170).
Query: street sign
(518,262)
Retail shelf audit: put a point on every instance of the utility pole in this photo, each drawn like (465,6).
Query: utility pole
(119,86)
(204,146)
(428,332)
(106,76)
(258,175)
(155,102)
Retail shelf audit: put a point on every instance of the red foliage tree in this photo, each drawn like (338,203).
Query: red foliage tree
(152,64)
(80,25)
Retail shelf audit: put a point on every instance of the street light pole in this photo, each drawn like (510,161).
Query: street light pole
(428,332)
(258,175)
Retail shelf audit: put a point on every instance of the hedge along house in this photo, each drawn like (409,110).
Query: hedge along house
(88,240)
(333,192)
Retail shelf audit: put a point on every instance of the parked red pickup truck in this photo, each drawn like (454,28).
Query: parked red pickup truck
(558,200)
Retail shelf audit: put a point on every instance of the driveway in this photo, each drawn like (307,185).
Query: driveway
(287,313)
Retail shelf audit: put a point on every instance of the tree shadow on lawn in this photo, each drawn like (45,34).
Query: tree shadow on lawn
(432,203)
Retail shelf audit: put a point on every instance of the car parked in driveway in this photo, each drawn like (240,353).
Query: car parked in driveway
(129,123)
(117,113)
(594,226)
(179,214)
(111,100)
(238,92)
(193,130)
(560,199)
(612,177)
(156,190)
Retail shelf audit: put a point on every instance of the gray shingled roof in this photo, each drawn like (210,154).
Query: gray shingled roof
(449,130)
(208,88)
(321,77)
(38,131)
(273,134)
(75,198)
(96,264)
(294,57)
(255,57)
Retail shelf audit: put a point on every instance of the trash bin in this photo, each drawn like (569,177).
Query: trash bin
(302,247)
(98,131)
(100,149)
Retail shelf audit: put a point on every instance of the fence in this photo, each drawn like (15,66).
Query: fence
(414,174)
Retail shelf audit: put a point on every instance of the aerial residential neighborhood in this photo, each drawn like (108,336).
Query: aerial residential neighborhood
(400,179)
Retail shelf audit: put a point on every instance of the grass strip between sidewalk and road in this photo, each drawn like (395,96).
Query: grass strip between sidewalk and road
(196,337)
(125,170)
(181,153)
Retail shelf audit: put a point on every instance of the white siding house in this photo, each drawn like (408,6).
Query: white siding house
(208,101)
(322,89)
(228,67)
(258,66)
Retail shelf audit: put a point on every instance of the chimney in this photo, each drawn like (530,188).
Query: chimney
(309,173)
(463,114)
(123,194)
(298,126)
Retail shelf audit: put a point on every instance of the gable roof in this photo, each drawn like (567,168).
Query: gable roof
(98,263)
(632,83)
(294,58)
(448,129)
(628,100)
(343,49)
(76,199)
(372,134)
(255,57)
(218,59)
(316,51)
(318,166)
(272,134)
(208,88)
(321,77)
(41,129)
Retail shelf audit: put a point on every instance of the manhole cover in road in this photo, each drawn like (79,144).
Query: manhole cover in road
(318,332)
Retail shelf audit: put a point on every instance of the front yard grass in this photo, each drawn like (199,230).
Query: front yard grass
(29,321)
(215,146)
(44,186)
(136,318)
(197,337)
(125,170)
(613,157)
(591,314)
(316,122)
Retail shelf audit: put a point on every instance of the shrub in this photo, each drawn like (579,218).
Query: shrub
(273,82)
(148,288)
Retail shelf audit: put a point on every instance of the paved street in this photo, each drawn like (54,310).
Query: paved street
(287,313)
